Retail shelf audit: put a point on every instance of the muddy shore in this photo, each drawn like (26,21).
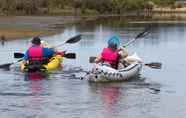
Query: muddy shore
(16,27)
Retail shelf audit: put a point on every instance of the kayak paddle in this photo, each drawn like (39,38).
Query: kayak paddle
(154,65)
(71,40)
(18,55)
(21,55)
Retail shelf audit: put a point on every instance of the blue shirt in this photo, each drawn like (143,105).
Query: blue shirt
(47,53)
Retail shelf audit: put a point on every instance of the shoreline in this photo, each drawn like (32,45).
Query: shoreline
(16,27)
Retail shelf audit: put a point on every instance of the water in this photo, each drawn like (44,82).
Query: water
(155,94)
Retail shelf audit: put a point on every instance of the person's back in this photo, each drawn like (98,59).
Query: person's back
(37,53)
(110,54)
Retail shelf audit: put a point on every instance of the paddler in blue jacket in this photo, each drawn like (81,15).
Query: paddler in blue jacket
(38,53)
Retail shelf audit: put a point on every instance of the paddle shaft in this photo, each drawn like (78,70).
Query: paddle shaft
(7,65)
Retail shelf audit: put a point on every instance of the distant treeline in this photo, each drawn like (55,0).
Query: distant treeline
(69,7)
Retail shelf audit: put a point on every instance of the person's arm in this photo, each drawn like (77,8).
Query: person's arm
(98,59)
(123,52)
(25,58)
(48,52)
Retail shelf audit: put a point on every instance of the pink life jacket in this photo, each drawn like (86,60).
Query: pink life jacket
(35,53)
(111,57)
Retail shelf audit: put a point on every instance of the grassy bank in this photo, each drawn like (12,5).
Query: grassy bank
(77,7)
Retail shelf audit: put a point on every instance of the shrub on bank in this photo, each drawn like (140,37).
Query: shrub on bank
(34,7)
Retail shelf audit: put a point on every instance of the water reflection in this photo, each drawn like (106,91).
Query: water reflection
(119,99)
(110,95)
(37,88)
(34,76)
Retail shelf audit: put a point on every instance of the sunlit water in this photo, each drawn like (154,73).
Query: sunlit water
(157,93)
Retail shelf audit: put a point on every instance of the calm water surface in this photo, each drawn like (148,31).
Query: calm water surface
(155,94)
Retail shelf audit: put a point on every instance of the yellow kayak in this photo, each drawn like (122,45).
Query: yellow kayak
(54,63)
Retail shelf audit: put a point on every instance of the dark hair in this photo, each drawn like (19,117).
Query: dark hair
(36,41)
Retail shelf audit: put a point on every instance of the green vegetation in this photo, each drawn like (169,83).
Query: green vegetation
(73,7)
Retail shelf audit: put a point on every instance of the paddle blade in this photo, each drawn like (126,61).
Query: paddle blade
(74,39)
(143,34)
(18,55)
(92,59)
(140,35)
(154,65)
(70,55)
(5,66)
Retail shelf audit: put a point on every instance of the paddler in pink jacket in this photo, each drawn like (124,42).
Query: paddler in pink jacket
(112,54)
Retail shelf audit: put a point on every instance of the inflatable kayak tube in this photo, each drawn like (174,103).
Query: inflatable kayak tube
(103,73)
